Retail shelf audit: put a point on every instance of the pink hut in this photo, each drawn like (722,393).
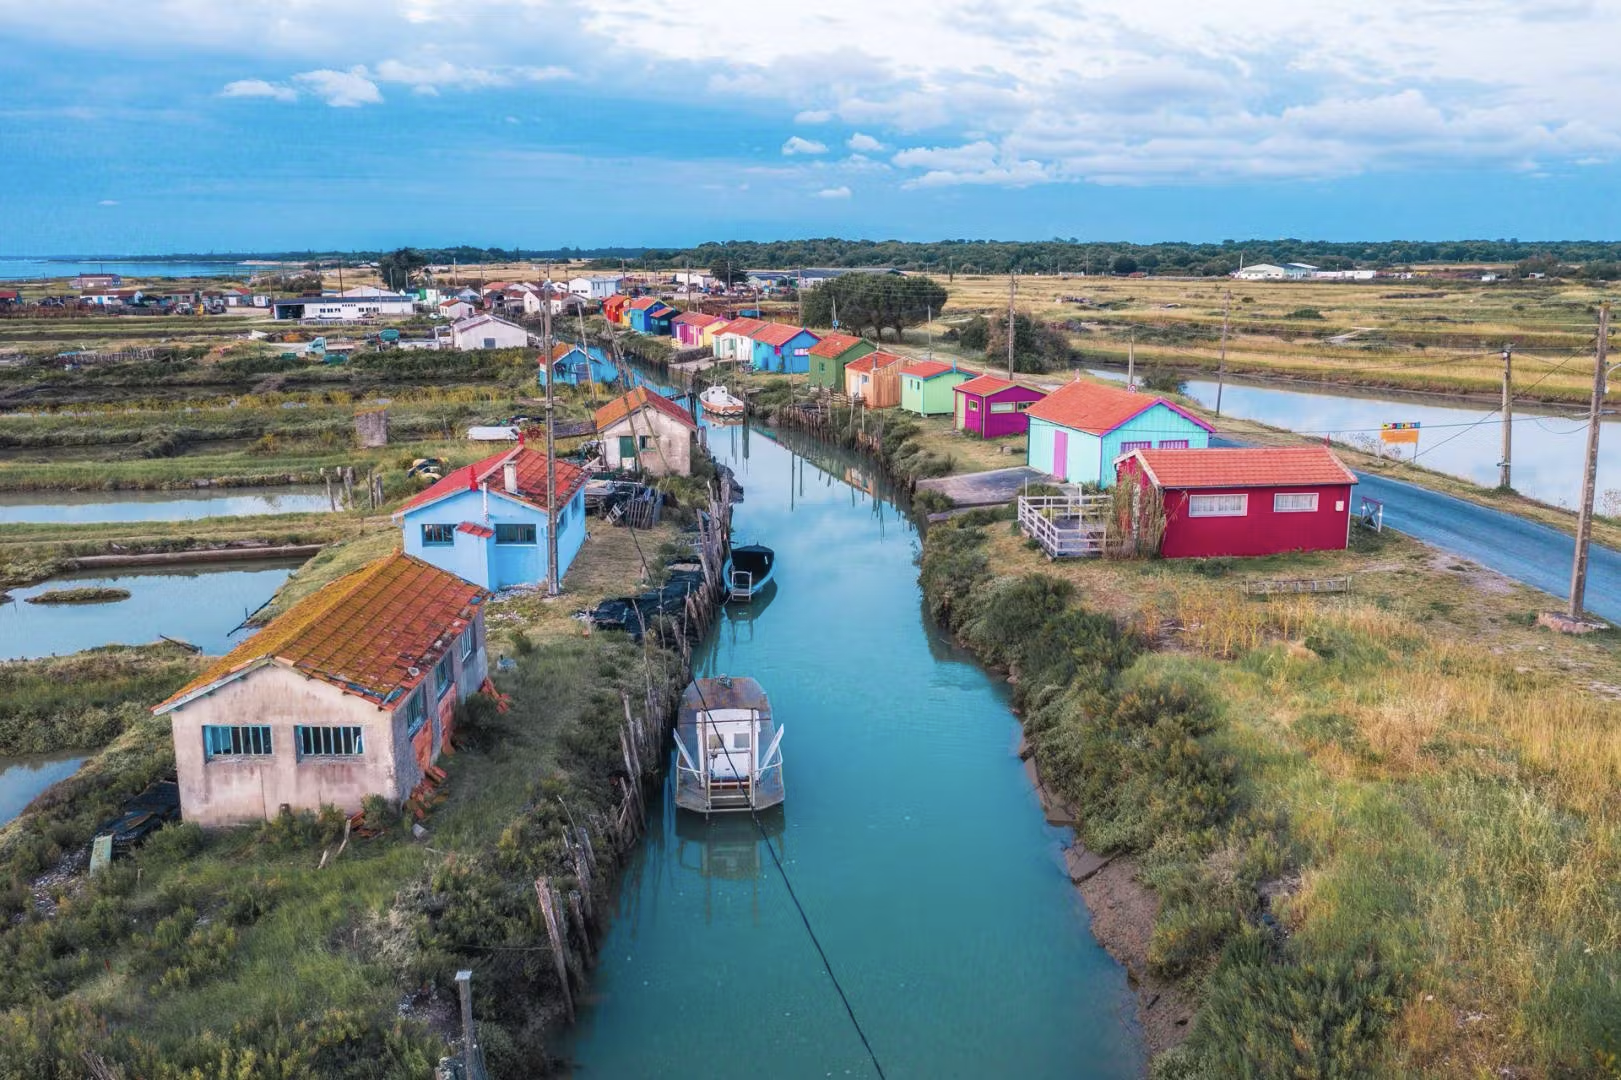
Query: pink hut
(991,408)
(688,327)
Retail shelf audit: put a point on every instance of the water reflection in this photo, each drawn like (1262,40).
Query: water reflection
(722,849)
(23,778)
(89,507)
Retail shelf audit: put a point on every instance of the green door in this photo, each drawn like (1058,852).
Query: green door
(627,448)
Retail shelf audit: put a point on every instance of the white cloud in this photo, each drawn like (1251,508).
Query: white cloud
(259,88)
(798,145)
(813,116)
(108,202)
(341,89)
(864,144)
(841,192)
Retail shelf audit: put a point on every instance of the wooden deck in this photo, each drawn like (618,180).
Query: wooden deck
(1066,526)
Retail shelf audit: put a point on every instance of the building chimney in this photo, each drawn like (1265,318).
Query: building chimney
(509,474)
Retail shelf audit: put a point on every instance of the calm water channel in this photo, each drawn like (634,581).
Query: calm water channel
(1460,439)
(200,604)
(14,268)
(86,507)
(911,833)
(23,778)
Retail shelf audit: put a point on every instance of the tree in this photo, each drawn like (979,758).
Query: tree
(397,267)
(1124,264)
(1037,346)
(728,274)
(874,302)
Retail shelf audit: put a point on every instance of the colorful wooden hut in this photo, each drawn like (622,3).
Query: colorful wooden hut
(992,408)
(926,387)
(828,357)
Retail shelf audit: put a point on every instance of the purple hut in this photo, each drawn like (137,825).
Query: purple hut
(991,408)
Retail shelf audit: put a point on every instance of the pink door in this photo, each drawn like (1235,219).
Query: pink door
(1060,453)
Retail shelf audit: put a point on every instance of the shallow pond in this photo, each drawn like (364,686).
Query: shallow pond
(23,778)
(86,507)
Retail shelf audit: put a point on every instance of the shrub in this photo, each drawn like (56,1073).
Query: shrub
(953,563)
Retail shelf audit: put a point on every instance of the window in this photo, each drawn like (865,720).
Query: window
(1022,405)
(1128,447)
(562,518)
(244,740)
(328,741)
(1218,505)
(514,534)
(973,405)
(1173,444)
(1294,503)
(646,442)
(438,535)
(1001,406)
(489,343)
(416,714)
(740,740)
(444,675)
(470,641)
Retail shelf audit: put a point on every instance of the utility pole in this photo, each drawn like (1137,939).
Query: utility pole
(1131,359)
(1584,523)
(1221,366)
(799,294)
(464,985)
(552,583)
(1505,471)
(1011,286)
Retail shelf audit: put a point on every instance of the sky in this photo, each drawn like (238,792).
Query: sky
(196,125)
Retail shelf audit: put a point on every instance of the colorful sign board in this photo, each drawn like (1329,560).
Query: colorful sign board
(1399,433)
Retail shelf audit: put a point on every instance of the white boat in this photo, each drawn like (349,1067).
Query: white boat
(750,571)
(719,402)
(728,748)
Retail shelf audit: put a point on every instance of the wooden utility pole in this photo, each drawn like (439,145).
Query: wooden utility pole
(1011,286)
(1131,359)
(552,581)
(1505,478)
(1584,523)
(464,988)
(1221,366)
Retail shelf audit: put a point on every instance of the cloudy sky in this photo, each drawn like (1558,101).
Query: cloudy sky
(200,125)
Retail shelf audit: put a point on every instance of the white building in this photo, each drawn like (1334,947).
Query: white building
(342,308)
(595,287)
(366,290)
(696,279)
(455,309)
(1260,272)
(487,332)
(1344,275)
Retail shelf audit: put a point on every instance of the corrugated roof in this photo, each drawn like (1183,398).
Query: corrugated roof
(621,407)
(927,369)
(778,333)
(1098,409)
(491,470)
(374,632)
(1291,466)
(834,346)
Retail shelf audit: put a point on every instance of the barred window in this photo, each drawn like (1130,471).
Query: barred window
(342,741)
(239,740)
(438,534)
(469,640)
(416,714)
(1218,505)
(514,534)
(1128,447)
(444,674)
(1294,503)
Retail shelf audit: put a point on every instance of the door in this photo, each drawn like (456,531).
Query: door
(627,449)
(1060,453)
(962,410)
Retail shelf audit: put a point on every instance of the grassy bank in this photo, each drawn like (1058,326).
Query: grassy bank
(1380,830)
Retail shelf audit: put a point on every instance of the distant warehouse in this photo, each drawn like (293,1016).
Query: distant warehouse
(342,308)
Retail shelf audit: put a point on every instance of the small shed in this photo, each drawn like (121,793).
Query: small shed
(613,308)
(991,408)
(1078,430)
(782,348)
(647,431)
(487,332)
(828,357)
(1247,501)
(926,387)
(735,341)
(575,365)
(875,379)
(649,315)
(688,327)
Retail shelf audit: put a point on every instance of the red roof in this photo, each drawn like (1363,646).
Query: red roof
(483,532)
(696,318)
(778,333)
(562,349)
(928,369)
(641,397)
(983,386)
(834,346)
(1098,409)
(745,327)
(1250,467)
(374,633)
(642,303)
(876,361)
(491,470)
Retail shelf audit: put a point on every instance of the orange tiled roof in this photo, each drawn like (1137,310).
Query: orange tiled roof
(491,470)
(621,407)
(778,333)
(745,327)
(375,633)
(1292,466)
(562,349)
(928,369)
(834,346)
(1098,409)
(983,385)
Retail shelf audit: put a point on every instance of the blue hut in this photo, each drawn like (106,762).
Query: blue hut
(575,365)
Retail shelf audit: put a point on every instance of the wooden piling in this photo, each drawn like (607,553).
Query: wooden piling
(556,932)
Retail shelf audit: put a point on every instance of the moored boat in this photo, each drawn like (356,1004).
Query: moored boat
(728,747)
(718,402)
(750,571)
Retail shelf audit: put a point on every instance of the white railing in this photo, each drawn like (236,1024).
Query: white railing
(1065,525)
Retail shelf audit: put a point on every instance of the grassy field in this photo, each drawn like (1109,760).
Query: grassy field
(1380,830)
(1430,335)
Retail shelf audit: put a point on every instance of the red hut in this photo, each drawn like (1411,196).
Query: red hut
(613,308)
(1249,501)
(991,408)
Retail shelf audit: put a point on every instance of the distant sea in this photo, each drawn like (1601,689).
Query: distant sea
(23,269)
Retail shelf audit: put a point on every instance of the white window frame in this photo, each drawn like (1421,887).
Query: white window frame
(1199,509)
(1277,509)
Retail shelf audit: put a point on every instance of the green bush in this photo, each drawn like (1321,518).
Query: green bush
(952,565)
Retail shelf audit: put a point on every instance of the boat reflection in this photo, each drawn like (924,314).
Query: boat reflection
(723,848)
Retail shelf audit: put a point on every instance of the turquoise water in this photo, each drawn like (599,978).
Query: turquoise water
(910,831)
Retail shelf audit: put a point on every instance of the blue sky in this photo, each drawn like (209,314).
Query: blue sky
(192,125)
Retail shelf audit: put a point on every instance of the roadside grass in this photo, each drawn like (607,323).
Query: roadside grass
(1383,832)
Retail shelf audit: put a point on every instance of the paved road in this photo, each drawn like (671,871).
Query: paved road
(1523,550)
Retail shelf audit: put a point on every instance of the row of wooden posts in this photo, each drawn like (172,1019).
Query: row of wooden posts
(569,911)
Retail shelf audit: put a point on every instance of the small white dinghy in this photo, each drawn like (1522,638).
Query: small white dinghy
(718,402)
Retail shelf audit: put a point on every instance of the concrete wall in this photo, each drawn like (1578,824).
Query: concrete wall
(672,439)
